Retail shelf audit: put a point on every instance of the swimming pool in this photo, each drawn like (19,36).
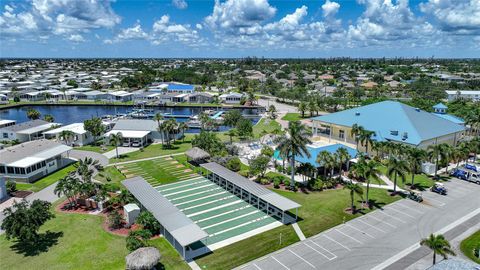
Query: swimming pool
(314,151)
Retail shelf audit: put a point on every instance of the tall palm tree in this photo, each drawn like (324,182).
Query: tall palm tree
(231,133)
(354,188)
(115,140)
(295,143)
(365,138)
(159,117)
(343,157)
(183,126)
(67,186)
(355,132)
(396,167)
(332,163)
(436,153)
(322,158)
(302,107)
(370,172)
(415,158)
(439,245)
(66,136)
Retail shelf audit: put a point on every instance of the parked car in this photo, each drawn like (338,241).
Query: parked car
(136,144)
(460,174)
(439,188)
(469,176)
(471,167)
(126,144)
(415,196)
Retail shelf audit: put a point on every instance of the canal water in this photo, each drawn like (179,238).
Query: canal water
(79,113)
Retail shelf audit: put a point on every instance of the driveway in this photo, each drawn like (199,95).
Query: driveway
(80,154)
(121,151)
(382,237)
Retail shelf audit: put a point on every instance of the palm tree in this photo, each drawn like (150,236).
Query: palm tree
(396,167)
(115,140)
(159,117)
(438,244)
(415,158)
(322,159)
(48,118)
(354,188)
(370,171)
(33,114)
(231,133)
(183,126)
(365,138)
(355,132)
(272,110)
(435,152)
(302,107)
(67,186)
(66,136)
(295,143)
(343,157)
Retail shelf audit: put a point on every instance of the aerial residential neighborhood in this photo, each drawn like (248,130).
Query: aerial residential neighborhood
(240,134)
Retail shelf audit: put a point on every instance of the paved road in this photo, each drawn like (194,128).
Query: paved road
(378,239)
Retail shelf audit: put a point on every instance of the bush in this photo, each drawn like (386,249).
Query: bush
(137,239)
(234,164)
(286,182)
(317,185)
(276,183)
(264,181)
(11,187)
(149,222)
(115,220)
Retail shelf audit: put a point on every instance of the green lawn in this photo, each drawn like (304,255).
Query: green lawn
(78,242)
(421,181)
(155,150)
(111,173)
(265,124)
(97,149)
(320,211)
(294,117)
(46,181)
(467,246)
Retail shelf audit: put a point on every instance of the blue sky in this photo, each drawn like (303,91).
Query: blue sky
(239,28)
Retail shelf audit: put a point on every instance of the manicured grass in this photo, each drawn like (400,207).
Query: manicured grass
(469,244)
(421,181)
(294,117)
(79,242)
(47,180)
(323,210)
(113,174)
(249,249)
(155,150)
(265,124)
(97,149)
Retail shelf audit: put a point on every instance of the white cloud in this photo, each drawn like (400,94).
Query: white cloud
(458,16)
(58,17)
(76,38)
(330,8)
(133,33)
(180,4)
(237,15)
(166,31)
(199,26)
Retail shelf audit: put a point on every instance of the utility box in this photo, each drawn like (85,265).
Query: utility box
(429,168)
(131,212)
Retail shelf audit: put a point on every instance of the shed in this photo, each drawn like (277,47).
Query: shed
(197,155)
(131,212)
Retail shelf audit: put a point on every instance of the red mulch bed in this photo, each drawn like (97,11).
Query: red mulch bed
(63,207)
(21,193)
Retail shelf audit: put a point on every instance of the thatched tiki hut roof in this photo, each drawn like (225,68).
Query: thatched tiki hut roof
(144,258)
(197,155)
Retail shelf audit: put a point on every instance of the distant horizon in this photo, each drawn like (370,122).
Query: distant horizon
(238,58)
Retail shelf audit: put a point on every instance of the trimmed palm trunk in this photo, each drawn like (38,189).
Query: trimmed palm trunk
(292,163)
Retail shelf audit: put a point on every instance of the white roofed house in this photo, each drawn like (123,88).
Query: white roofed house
(95,95)
(136,132)
(123,96)
(30,161)
(26,131)
(231,98)
(464,94)
(79,137)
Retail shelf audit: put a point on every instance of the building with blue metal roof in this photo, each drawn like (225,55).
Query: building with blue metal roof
(390,121)
(180,88)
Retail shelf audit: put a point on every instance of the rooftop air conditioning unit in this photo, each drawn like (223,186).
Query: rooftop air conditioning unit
(405,136)
(357,114)
(394,132)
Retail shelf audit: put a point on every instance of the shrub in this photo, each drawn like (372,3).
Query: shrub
(137,239)
(115,220)
(11,187)
(264,181)
(234,164)
(276,183)
(317,185)
(149,222)
(286,182)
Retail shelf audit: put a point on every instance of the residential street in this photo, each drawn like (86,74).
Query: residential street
(381,238)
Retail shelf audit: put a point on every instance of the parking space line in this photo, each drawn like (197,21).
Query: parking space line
(348,236)
(437,201)
(301,258)
(256,266)
(338,243)
(410,208)
(367,234)
(316,250)
(400,212)
(331,253)
(383,221)
(392,216)
(380,230)
(280,262)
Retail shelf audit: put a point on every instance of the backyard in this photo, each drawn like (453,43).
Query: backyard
(46,181)
(71,241)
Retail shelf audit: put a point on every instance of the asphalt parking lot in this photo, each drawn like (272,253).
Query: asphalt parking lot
(368,241)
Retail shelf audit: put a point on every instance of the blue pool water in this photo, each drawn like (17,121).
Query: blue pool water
(314,151)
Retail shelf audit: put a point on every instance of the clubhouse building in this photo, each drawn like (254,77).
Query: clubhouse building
(391,121)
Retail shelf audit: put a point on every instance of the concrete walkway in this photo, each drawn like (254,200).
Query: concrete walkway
(121,151)
(298,231)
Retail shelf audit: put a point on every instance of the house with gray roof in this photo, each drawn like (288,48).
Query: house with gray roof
(30,161)
(136,132)
(26,131)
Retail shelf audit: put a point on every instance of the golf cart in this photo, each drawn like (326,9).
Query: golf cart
(415,196)
(439,188)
